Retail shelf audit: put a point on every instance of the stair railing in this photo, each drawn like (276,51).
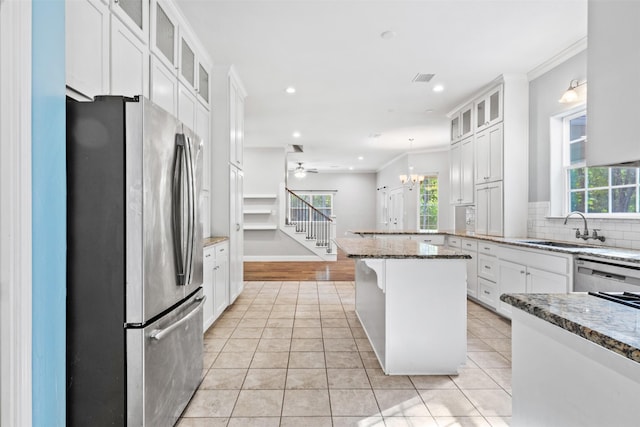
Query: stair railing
(309,220)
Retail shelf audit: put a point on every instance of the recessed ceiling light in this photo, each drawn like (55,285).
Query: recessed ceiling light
(296,135)
(290,90)
(388,35)
(360,158)
(438,88)
(428,111)
(350,168)
(375,135)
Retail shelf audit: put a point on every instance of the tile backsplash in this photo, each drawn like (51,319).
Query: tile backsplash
(620,233)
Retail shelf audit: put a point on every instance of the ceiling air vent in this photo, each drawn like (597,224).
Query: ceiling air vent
(422,78)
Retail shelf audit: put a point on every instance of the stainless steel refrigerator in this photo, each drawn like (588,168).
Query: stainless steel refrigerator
(134,264)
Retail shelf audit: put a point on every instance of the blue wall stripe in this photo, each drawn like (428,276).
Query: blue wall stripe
(49,212)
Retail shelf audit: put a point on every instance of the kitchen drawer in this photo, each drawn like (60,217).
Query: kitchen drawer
(488,267)
(437,239)
(543,260)
(488,248)
(469,245)
(454,242)
(488,292)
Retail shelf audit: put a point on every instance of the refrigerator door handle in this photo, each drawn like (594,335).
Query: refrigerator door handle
(158,334)
(179,166)
(191,209)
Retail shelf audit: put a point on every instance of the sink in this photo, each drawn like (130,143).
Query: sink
(556,244)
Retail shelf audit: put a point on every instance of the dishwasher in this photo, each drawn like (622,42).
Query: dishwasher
(605,276)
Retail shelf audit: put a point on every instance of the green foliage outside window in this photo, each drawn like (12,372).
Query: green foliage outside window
(428,203)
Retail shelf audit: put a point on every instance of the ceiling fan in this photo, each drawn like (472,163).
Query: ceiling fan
(301,172)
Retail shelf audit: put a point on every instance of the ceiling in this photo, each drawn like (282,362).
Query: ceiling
(354,92)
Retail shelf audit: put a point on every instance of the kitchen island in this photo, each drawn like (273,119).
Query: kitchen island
(576,361)
(411,301)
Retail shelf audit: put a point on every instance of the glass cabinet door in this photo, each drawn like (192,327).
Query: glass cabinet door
(188,63)
(134,10)
(203,83)
(165,34)
(455,128)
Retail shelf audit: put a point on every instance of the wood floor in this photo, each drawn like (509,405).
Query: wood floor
(342,269)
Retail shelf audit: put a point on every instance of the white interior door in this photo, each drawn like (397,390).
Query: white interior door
(396,209)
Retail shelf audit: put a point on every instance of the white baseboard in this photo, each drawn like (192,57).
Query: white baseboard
(280,258)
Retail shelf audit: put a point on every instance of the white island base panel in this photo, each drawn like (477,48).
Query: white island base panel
(562,379)
(414,312)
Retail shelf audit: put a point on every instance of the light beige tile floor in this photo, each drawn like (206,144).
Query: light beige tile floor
(294,354)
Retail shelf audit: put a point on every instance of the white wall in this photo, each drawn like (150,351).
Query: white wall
(424,163)
(355,199)
(544,93)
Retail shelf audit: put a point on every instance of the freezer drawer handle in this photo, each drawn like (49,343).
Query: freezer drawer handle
(158,334)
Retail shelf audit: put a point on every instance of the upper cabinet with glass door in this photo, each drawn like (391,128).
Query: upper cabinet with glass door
(135,15)
(489,109)
(193,71)
(462,123)
(164,33)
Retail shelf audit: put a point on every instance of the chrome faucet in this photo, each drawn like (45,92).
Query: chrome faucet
(585,234)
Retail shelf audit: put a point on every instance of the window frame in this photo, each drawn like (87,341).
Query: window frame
(419,201)
(567,166)
(308,197)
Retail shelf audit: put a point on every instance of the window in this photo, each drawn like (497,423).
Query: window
(599,190)
(428,203)
(323,202)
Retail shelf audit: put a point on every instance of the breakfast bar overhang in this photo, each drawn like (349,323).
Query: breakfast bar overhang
(411,299)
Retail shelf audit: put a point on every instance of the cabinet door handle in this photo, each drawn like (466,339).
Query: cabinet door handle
(207,255)
(487,292)
(487,267)
(521,271)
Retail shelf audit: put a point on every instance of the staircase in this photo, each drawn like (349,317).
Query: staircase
(308,225)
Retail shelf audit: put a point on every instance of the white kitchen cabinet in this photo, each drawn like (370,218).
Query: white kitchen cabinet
(227,193)
(488,108)
(135,15)
(215,282)
(512,279)
(489,212)
(462,123)
(87,47)
(164,34)
(188,65)
(455,128)
(461,171)
(221,279)
(204,87)
(455,173)
(236,121)
(208,266)
(488,292)
(532,271)
(129,71)
(203,130)
(187,107)
(613,69)
(164,86)
(545,282)
(489,159)
(453,242)
(470,247)
(236,234)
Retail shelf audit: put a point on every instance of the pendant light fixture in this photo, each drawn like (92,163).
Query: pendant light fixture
(411,178)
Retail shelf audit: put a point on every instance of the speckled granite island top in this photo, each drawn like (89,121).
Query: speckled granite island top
(577,248)
(395,249)
(611,325)
(213,240)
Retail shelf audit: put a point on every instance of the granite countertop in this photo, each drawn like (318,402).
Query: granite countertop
(609,324)
(213,240)
(395,249)
(595,250)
